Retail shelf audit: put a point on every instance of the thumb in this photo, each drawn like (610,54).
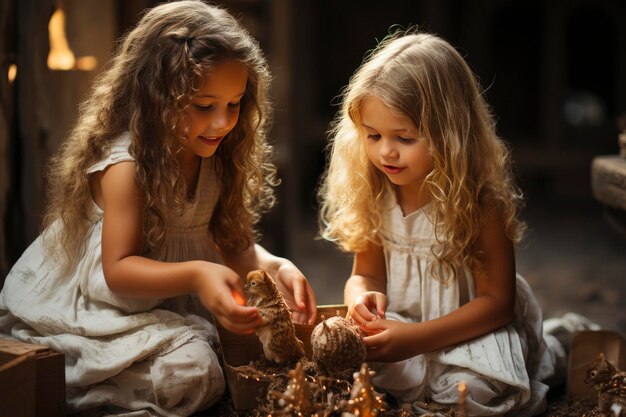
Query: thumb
(299,294)
(236,290)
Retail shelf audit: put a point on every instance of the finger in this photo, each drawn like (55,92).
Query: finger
(371,342)
(238,297)
(299,317)
(236,290)
(236,327)
(356,318)
(241,314)
(381,305)
(298,292)
(311,304)
(373,327)
(364,312)
(376,324)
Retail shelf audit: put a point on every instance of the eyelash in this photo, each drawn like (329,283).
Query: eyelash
(400,138)
(210,106)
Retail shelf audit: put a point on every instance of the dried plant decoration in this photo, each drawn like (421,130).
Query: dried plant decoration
(337,346)
(278,335)
(298,398)
(364,400)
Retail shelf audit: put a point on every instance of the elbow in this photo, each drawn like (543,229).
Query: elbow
(507,318)
(505,314)
(112,279)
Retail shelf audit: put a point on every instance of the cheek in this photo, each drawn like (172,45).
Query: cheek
(234,117)
(196,122)
(371,151)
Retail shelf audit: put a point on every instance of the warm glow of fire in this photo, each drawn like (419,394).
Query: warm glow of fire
(86,63)
(61,56)
(12,73)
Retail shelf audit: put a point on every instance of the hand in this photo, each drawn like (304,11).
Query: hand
(219,289)
(367,307)
(298,293)
(390,340)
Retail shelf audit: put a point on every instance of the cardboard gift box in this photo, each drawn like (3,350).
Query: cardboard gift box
(237,350)
(32,380)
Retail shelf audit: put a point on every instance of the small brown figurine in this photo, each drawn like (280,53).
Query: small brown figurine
(278,335)
(337,345)
(611,385)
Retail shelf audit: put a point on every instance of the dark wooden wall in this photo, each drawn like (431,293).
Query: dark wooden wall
(555,72)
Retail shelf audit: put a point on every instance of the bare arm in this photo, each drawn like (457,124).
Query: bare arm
(365,289)
(130,275)
(290,281)
(492,308)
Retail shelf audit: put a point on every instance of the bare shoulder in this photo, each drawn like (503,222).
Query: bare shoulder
(116,182)
(492,229)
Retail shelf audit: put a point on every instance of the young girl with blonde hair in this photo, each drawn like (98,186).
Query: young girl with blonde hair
(150,225)
(419,188)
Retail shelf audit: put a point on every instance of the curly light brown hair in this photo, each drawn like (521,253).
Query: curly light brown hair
(422,77)
(156,69)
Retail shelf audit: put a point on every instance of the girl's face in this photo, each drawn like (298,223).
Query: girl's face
(214,109)
(394,146)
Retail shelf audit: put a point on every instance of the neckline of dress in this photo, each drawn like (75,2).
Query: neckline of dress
(396,205)
(197,188)
(414,213)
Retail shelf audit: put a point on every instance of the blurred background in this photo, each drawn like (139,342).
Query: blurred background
(554,72)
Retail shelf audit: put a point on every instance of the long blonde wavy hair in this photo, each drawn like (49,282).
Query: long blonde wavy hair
(154,73)
(422,77)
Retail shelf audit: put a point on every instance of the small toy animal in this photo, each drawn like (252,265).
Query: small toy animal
(278,335)
(611,385)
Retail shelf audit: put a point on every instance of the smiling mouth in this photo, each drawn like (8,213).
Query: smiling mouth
(211,140)
(390,169)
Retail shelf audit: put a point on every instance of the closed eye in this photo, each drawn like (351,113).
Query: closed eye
(373,136)
(406,140)
(203,108)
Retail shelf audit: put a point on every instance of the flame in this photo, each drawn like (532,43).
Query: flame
(61,56)
(86,63)
(12,73)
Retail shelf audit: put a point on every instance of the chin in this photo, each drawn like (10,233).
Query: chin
(206,152)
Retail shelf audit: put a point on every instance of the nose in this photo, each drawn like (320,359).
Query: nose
(222,121)
(387,149)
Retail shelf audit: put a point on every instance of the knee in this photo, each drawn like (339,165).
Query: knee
(188,375)
(483,397)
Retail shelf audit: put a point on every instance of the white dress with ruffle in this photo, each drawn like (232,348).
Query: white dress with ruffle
(123,356)
(503,369)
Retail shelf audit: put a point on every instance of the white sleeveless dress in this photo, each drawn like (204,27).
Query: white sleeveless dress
(502,369)
(135,357)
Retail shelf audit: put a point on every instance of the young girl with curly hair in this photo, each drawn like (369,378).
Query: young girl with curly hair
(419,187)
(150,224)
